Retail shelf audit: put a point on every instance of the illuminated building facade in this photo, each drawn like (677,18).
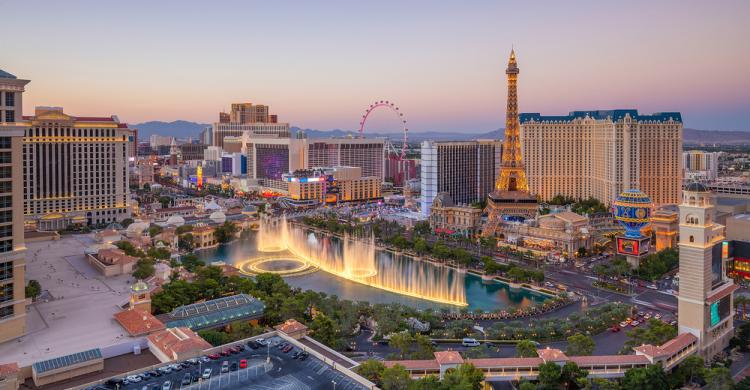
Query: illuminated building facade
(12,248)
(450,218)
(466,170)
(510,199)
(331,185)
(365,153)
(247,117)
(602,153)
(74,169)
(705,301)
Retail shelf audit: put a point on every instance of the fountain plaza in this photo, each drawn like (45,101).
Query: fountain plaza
(355,269)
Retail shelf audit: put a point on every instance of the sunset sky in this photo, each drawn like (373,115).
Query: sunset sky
(319,64)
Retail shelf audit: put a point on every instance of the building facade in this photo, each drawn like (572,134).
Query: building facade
(705,301)
(75,169)
(466,170)
(365,153)
(191,151)
(450,218)
(246,117)
(602,153)
(12,248)
(700,165)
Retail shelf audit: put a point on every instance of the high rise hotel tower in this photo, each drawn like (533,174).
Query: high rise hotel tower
(602,153)
(705,302)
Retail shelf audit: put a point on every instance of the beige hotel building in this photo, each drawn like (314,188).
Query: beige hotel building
(12,249)
(75,169)
(602,153)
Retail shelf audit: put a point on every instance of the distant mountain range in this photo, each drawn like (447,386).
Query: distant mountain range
(184,129)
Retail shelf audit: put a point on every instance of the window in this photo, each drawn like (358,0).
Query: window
(5,157)
(10,99)
(6,270)
(6,292)
(6,246)
(10,116)
(6,186)
(6,311)
(4,142)
(6,201)
(6,216)
(6,231)
(5,172)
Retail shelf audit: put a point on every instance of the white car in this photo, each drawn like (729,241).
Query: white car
(133,378)
(652,286)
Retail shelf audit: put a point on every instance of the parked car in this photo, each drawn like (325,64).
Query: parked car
(233,366)
(155,386)
(133,378)
(623,324)
(165,370)
(224,366)
(225,352)
(194,375)
(186,379)
(166,386)
(234,349)
(635,323)
(252,344)
(214,356)
(304,356)
(615,328)
(296,354)
(206,373)
(652,286)
(243,363)
(192,361)
(287,348)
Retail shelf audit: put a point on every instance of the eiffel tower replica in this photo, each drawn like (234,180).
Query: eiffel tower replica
(510,200)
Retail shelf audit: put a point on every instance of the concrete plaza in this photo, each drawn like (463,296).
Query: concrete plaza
(76,314)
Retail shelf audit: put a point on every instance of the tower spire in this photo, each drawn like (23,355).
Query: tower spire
(511,199)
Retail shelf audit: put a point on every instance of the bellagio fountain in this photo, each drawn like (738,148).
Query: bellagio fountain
(289,249)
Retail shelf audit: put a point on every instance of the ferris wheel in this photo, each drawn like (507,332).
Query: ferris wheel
(390,106)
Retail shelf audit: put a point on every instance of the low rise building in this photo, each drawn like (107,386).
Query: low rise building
(448,217)
(176,344)
(112,262)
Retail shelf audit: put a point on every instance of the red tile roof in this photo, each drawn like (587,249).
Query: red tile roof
(609,359)
(291,326)
(9,369)
(506,362)
(728,289)
(678,343)
(178,340)
(448,357)
(551,355)
(138,322)
(414,364)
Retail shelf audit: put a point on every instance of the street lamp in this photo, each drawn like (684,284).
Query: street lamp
(334,384)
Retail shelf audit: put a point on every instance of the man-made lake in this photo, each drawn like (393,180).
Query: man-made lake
(478,294)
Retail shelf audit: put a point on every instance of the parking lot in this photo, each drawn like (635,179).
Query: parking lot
(268,367)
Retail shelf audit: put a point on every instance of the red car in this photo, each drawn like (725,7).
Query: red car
(213,356)
(615,328)
(243,363)
(225,352)
(234,349)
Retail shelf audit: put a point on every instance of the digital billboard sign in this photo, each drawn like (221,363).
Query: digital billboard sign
(633,247)
(720,310)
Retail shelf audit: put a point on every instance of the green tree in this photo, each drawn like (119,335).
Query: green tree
(225,232)
(689,370)
(191,262)
(420,246)
(144,269)
(422,228)
(401,341)
(550,376)
(184,229)
(429,382)
(396,378)
(165,201)
(425,350)
(572,376)
(743,384)
(527,386)
(126,222)
(214,337)
(647,378)
(154,230)
(158,253)
(719,378)
(526,348)
(324,330)
(186,242)
(33,289)
(464,377)
(371,370)
(580,345)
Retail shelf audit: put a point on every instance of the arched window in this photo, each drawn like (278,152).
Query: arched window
(692,239)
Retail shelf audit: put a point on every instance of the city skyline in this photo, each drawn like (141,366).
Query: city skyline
(190,62)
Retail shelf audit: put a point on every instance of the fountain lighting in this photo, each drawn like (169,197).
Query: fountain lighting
(356,259)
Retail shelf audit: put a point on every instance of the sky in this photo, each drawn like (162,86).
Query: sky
(320,64)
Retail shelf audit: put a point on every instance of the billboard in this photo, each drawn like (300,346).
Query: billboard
(632,247)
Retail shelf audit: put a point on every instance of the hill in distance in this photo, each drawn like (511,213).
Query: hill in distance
(184,129)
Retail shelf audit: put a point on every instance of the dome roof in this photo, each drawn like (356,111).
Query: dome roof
(139,286)
(633,196)
(137,227)
(218,217)
(176,220)
(696,187)
(212,205)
